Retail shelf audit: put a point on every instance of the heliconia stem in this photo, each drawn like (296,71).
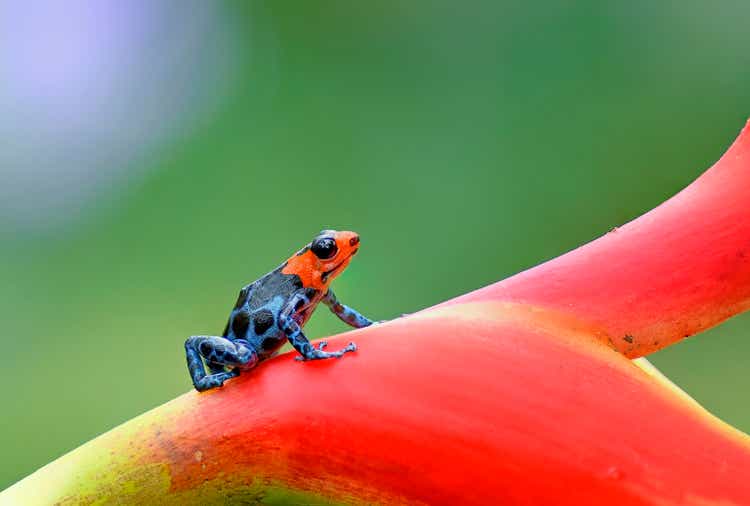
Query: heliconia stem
(508,395)
(675,271)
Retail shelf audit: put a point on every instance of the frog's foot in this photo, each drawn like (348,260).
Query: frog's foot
(214,380)
(318,354)
(322,344)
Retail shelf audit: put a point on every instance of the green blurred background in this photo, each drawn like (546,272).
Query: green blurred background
(156,156)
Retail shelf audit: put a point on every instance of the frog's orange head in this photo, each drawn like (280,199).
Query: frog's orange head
(318,263)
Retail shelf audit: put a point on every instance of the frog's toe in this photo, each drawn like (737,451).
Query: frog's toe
(351,347)
(322,344)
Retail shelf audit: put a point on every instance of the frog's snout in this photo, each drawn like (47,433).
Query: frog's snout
(354,241)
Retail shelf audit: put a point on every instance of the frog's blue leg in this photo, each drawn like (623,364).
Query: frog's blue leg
(345,313)
(214,368)
(217,351)
(299,341)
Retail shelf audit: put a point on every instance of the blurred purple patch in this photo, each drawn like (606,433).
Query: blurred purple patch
(91,92)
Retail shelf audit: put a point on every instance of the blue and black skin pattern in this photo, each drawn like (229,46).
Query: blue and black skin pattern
(273,309)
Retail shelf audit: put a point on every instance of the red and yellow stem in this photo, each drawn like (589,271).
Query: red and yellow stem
(512,394)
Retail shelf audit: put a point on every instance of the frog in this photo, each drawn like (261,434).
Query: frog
(273,310)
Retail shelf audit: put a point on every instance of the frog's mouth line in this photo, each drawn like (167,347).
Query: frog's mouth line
(327,274)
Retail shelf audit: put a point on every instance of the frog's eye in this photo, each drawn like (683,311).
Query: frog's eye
(324,248)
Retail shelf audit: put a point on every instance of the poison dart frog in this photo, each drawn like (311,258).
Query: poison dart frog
(274,309)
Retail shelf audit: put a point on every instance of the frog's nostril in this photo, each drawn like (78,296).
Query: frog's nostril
(354,241)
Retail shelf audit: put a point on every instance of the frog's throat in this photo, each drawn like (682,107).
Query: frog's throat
(332,273)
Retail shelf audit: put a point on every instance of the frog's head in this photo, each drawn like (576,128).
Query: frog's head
(329,253)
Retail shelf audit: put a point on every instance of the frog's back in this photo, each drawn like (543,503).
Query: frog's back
(255,315)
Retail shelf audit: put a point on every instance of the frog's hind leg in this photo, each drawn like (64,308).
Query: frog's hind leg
(215,368)
(217,352)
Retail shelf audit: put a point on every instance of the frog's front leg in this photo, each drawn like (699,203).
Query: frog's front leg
(345,313)
(299,341)
(216,350)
